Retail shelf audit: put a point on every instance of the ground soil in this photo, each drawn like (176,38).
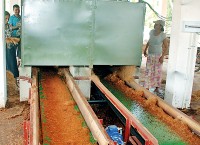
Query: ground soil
(62,123)
(194,110)
(12,116)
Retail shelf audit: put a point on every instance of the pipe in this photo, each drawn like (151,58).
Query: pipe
(175,113)
(97,101)
(91,119)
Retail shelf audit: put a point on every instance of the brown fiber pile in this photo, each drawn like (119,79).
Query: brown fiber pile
(126,72)
(196,96)
(11,84)
(62,123)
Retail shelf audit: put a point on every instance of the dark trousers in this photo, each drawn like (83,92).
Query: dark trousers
(11,61)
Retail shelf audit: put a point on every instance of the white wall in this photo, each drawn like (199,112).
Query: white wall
(3,88)
(3,92)
(9,5)
(182,54)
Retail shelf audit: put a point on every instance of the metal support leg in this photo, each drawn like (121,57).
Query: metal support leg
(127,130)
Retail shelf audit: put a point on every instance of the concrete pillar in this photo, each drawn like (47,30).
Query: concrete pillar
(3,90)
(24,82)
(81,76)
(182,54)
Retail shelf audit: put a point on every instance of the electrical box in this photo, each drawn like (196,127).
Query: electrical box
(191,26)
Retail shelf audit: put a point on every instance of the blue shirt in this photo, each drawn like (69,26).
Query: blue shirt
(13,21)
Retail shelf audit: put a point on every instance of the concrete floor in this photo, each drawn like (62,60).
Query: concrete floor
(11,123)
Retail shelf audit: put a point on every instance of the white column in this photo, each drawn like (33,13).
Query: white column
(81,76)
(182,55)
(24,82)
(3,91)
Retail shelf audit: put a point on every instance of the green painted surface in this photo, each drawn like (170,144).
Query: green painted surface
(82,32)
(92,140)
(46,138)
(118,33)
(158,129)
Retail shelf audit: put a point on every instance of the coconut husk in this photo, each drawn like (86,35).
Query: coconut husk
(12,40)
(195,95)
(11,84)
(151,101)
(126,73)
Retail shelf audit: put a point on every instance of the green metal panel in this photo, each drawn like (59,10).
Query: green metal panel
(57,32)
(119,33)
(75,32)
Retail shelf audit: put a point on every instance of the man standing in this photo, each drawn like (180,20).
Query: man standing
(15,22)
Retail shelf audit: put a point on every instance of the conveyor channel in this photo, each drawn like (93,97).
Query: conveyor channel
(57,110)
(161,131)
(149,131)
(43,130)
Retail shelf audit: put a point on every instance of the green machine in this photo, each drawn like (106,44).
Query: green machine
(82,32)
